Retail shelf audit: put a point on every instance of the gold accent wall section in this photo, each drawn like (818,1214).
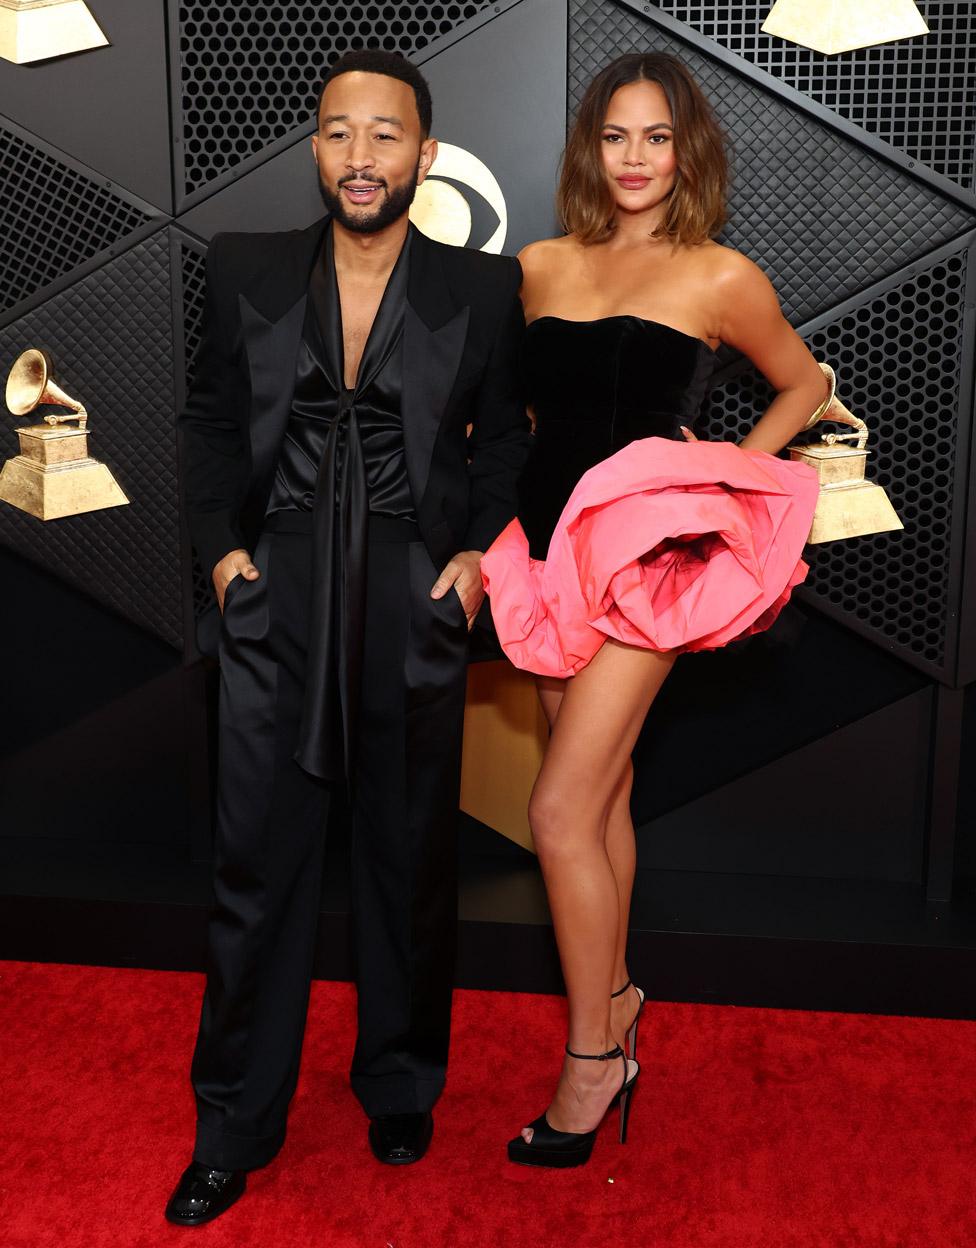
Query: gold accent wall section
(505,734)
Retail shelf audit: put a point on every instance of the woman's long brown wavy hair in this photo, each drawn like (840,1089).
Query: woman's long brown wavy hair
(696,207)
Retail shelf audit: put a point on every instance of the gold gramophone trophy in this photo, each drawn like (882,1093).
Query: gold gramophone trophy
(53,476)
(848,506)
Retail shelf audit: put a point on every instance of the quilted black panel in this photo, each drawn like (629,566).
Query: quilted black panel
(917,94)
(51,218)
(824,217)
(193,264)
(111,338)
(898,359)
(250,72)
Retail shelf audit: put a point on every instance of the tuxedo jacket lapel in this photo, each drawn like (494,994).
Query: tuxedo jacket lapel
(272,312)
(434,333)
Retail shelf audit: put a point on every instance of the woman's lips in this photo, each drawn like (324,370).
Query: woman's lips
(633,184)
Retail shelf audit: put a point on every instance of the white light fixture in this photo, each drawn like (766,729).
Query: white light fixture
(832,26)
(36,30)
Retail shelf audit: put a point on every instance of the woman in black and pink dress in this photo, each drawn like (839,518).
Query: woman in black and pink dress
(634,541)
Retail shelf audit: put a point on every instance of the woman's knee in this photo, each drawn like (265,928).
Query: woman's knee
(560,824)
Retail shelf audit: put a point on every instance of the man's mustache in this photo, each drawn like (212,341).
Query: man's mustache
(356,177)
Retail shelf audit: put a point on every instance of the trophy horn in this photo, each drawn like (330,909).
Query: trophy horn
(30,384)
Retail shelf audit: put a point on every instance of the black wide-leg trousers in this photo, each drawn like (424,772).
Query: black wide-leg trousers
(271,821)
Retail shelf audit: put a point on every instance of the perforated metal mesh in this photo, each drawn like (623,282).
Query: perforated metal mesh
(823,217)
(898,361)
(193,264)
(250,72)
(918,94)
(51,219)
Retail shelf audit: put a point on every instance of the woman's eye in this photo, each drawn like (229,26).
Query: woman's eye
(611,138)
(658,139)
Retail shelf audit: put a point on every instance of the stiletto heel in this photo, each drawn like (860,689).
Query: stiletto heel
(563,1149)
(624,1113)
(631,1036)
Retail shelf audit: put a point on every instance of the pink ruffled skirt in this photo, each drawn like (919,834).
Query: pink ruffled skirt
(666,545)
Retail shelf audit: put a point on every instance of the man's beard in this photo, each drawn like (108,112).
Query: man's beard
(392,208)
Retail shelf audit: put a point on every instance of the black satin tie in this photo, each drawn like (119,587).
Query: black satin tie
(340,523)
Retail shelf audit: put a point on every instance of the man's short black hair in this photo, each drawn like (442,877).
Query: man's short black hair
(393,65)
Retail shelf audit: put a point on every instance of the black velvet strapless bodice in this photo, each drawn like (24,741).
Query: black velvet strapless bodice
(595,386)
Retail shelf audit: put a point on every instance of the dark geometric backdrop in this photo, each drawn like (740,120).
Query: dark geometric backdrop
(853,187)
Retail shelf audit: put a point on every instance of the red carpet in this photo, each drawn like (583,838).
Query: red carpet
(750,1127)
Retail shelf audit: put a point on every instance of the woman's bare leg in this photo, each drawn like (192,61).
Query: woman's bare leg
(597,722)
(622,852)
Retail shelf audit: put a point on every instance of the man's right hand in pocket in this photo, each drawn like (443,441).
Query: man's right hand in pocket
(236,563)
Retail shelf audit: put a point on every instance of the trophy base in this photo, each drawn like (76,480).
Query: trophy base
(36,30)
(852,511)
(51,493)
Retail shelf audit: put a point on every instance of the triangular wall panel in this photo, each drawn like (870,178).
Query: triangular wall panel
(54,217)
(107,107)
(111,337)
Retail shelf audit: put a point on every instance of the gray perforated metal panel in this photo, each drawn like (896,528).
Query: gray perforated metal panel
(898,357)
(917,94)
(250,72)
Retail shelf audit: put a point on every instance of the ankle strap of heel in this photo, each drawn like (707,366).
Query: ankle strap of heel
(620,991)
(616,1051)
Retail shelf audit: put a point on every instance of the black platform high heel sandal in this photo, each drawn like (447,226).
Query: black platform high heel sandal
(631,1037)
(563,1149)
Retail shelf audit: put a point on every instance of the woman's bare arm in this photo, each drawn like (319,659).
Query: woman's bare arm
(751,321)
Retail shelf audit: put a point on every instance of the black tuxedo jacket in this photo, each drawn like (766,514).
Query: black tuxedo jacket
(463,326)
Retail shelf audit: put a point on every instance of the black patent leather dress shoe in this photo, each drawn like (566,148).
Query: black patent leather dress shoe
(399,1139)
(203,1194)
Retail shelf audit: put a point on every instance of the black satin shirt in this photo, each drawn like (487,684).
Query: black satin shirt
(320,398)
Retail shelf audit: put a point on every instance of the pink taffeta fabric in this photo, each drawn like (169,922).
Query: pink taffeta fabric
(666,545)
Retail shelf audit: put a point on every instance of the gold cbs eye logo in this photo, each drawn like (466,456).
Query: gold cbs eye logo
(441,211)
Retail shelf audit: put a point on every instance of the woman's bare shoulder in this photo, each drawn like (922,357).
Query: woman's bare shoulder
(728,267)
(540,256)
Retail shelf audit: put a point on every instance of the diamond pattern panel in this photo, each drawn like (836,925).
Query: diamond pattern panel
(917,94)
(194,272)
(898,359)
(250,72)
(821,215)
(51,219)
(110,335)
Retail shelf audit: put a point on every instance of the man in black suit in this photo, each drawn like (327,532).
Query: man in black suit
(351,446)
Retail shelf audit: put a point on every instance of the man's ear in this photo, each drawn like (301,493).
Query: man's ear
(428,154)
(315,148)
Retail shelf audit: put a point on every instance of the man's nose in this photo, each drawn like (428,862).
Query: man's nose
(360,157)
